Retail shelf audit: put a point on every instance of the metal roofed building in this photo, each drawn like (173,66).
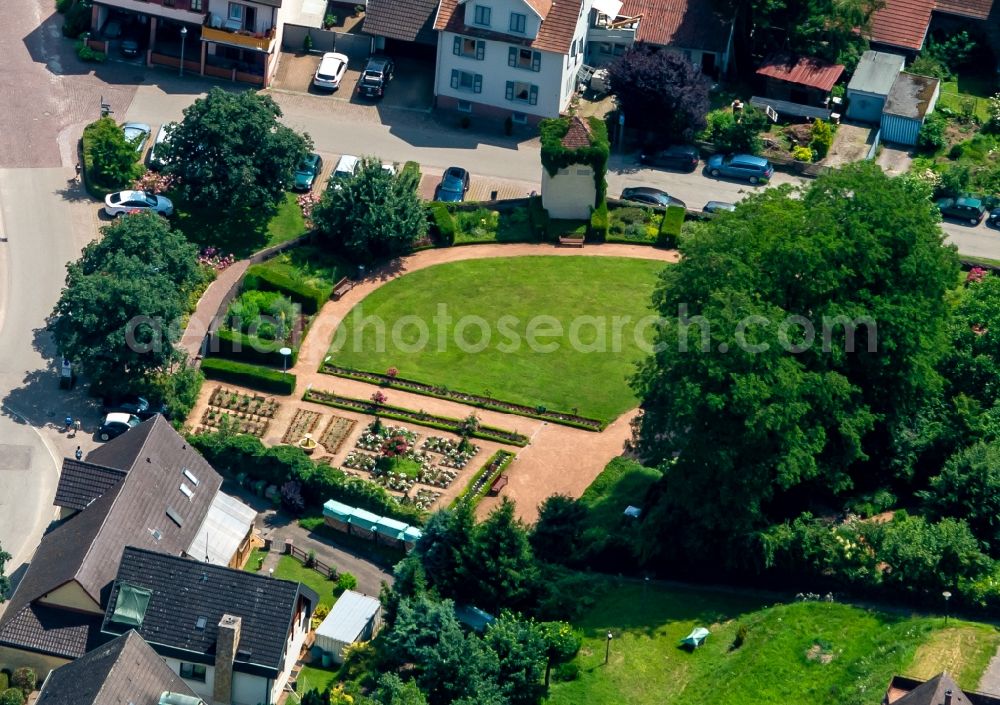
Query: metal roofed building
(870,85)
(353,618)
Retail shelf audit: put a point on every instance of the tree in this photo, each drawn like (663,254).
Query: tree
(562,643)
(660,90)
(521,652)
(557,536)
(112,157)
(4,580)
(392,690)
(118,316)
(500,561)
(442,550)
(232,158)
(762,415)
(732,133)
(372,215)
(968,487)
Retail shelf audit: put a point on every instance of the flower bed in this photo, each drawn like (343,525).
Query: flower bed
(360,461)
(423,499)
(336,433)
(482,402)
(242,422)
(240,401)
(481,482)
(398,413)
(454,455)
(303,422)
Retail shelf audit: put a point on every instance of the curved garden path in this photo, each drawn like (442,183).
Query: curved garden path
(559,459)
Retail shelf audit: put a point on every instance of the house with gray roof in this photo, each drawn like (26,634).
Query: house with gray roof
(231,635)
(124,671)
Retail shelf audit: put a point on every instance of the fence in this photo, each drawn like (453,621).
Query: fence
(356,46)
(317,565)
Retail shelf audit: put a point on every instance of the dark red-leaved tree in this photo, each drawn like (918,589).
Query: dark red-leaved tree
(660,90)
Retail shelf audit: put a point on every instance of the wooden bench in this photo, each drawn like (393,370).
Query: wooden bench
(341,288)
(565,241)
(498,485)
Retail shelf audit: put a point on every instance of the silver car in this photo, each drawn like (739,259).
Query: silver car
(124,202)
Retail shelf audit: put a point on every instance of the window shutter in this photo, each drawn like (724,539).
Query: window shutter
(510,90)
(477,83)
(533,96)
(480,50)
(454,78)
(457,50)
(536,61)
(512,56)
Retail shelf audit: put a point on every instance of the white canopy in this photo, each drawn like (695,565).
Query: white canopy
(611,8)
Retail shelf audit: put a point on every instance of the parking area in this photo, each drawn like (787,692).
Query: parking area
(412,85)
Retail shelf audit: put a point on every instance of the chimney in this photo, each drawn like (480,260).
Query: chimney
(947,697)
(226,644)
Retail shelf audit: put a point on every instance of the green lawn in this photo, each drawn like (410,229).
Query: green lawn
(256,556)
(978,89)
(621,483)
(507,294)
(311,677)
(290,569)
(287,223)
(308,265)
(811,652)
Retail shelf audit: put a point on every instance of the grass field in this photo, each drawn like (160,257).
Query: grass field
(287,223)
(314,677)
(515,299)
(807,652)
(290,569)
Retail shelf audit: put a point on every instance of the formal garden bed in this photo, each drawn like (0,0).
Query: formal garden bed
(336,433)
(303,423)
(484,478)
(238,411)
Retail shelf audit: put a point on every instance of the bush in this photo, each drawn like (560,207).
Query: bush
(345,581)
(25,679)
(670,226)
(567,672)
(599,222)
(412,169)
(264,278)
(77,19)
(253,376)
(254,351)
(109,161)
(539,217)
(822,138)
(802,154)
(12,696)
(442,225)
(61,7)
(731,135)
(931,136)
(4,681)
(85,53)
(741,636)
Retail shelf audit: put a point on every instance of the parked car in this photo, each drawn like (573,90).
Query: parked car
(331,71)
(307,171)
(122,202)
(378,72)
(651,197)
(346,166)
(156,151)
(741,166)
(718,206)
(389,167)
(681,157)
(994,218)
(130,45)
(133,405)
(137,134)
(115,424)
(454,185)
(970,210)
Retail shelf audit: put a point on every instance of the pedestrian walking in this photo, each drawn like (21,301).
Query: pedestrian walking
(79,453)
(69,423)
(76,427)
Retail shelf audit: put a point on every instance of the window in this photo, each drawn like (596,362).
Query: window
(469,48)
(524,59)
(235,11)
(518,22)
(196,5)
(482,16)
(519,118)
(521,92)
(619,49)
(168,3)
(572,48)
(465,81)
(464,106)
(605,47)
(193,671)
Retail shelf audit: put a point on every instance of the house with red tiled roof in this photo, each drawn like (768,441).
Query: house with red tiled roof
(903,24)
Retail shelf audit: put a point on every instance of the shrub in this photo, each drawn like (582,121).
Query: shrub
(599,222)
(291,497)
(741,636)
(345,581)
(12,696)
(255,351)
(539,217)
(442,225)
(61,7)
(802,154)
(822,138)
(731,135)
(931,135)
(264,278)
(25,679)
(321,611)
(109,161)
(77,19)
(670,227)
(85,53)
(567,672)
(4,681)
(253,376)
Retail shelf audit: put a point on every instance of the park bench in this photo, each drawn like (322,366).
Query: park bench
(565,241)
(341,288)
(498,485)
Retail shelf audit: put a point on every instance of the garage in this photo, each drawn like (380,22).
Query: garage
(870,85)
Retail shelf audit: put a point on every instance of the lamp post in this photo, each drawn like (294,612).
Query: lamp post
(184,35)
(285,352)
(947,596)
(607,649)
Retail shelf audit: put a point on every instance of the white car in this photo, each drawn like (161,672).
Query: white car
(346,166)
(331,70)
(137,133)
(122,202)
(389,167)
(162,136)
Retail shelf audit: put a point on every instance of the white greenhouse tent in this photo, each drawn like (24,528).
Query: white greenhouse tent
(353,618)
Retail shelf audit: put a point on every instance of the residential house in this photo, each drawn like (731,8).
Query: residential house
(509,58)
(125,670)
(231,635)
(692,27)
(940,690)
(233,40)
(146,488)
(903,25)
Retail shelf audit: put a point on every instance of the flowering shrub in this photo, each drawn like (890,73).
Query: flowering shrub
(213,257)
(397,445)
(975,275)
(307,201)
(391,372)
(153,182)
(378,398)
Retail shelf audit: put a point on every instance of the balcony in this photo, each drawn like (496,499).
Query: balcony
(260,41)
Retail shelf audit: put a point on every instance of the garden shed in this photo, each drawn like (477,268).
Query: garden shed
(337,515)
(798,86)
(910,101)
(390,531)
(353,618)
(363,523)
(870,85)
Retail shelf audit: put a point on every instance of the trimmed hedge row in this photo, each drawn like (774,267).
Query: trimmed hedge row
(263,379)
(443,223)
(263,278)
(256,351)
(600,222)
(496,464)
(670,226)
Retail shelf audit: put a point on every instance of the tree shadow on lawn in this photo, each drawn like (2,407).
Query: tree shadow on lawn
(240,236)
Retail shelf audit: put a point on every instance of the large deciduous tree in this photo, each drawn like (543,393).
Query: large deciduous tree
(800,337)
(372,215)
(660,90)
(119,312)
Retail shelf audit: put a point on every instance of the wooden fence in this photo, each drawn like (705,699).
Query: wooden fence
(319,566)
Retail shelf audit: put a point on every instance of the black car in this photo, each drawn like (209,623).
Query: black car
(454,184)
(994,218)
(970,210)
(115,424)
(377,73)
(134,405)
(651,197)
(680,157)
(130,46)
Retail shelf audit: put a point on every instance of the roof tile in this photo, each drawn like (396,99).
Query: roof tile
(555,34)
(902,23)
(683,24)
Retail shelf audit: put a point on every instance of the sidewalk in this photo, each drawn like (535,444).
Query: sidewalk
(208,307)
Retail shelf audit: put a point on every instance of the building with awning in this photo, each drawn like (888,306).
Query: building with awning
(361,522)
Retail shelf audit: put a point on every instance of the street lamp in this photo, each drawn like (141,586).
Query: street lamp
(947,596)
(607,649)
(184,34)
(284,352)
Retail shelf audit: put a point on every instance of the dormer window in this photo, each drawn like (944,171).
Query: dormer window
(518,22)
(482,15)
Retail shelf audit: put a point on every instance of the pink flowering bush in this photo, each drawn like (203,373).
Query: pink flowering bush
(307,201)
(153,182)
(391,372)
(213,257)
(976,274)
(378,398)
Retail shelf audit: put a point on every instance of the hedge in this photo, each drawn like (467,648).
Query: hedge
(670,226)
(242,454)
(256,351)
(600,222)
(443,223)
(495,465)
(556,156)
(253,376)
(94,187)
(539,217)
(264,278)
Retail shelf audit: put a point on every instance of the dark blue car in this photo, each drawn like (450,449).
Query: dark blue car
(454,184)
